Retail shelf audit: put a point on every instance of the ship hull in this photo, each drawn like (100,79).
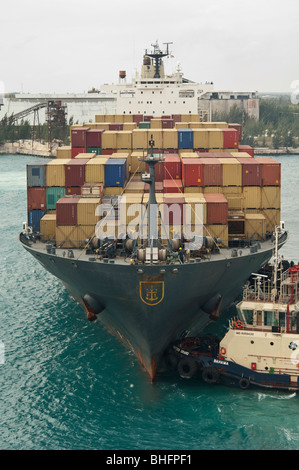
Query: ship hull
(150,306)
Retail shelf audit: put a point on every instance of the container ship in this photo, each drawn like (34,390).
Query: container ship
(153,224)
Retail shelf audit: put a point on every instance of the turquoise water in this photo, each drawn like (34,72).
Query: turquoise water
(67,384)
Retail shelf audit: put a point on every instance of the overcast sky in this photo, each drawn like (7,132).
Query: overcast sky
(73,45)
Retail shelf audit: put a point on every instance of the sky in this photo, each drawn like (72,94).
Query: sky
(59,46)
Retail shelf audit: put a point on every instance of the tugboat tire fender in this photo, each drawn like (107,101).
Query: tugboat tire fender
(171,361)
(244,383)
(210,375)
(187,368)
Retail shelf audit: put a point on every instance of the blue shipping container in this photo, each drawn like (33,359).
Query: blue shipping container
(185,138)
(36,173)
(115,172)
(54,193)
(34,219)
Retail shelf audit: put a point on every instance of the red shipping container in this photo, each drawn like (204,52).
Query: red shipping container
(66,211)
(75,172)
(108,151)
(78,136)
(169,151)
(167,123)
(211,172)
(147,118)
(77,150)
(238,128)
(137,118)
(271,171)
(73,191)
(217,209)
(173,186)
(36,198)
(116,126)
(177,117)
(94,138)
(159,188)
(175,214)
(159,171)
(251,171)
(247,148)
(192,172)
(230,138)
(172,167)
(203,154)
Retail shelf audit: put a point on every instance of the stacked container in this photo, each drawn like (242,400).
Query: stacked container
(36,192)
(78,140)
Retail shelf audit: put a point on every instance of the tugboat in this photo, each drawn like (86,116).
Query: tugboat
(261,347)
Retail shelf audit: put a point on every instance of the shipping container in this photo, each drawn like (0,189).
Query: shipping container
(230,138)
(234,196)
(192,172)
(53,195)
(255,226)
(124,140)
(88,211)
(271,171)
(217,231)
(172,186)
(200,138)
(73,191)
(55,172)
(195,209)
(251,172)
(95,170)
(78,136)
(96,150)
(64,152)
(135,187)
(77,150)
(36,198)
(94,138)
(137,118)
(85,156)
(271,197)
(68,236)
(137,165)
(66,211)
(34,217)
(172,167)
(140,139)
(167,123)
(170,138)
(115,172)
(185,138)
(116,126)
(272,218)
(217,209)
(173,209)
(144,125)
(238,127)
(109,140)
(108,151)
(75,172)
(247,149)
(252,197)
(48,227)
(211,172)
(36,173)
(159,187)
(231,171)
(147,118)
(216,138)
(156,123)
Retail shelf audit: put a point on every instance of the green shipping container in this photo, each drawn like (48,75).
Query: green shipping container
(144,125)
(96,150)
(53,195)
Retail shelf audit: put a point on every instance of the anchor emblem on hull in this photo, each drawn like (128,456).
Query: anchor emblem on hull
(151,293)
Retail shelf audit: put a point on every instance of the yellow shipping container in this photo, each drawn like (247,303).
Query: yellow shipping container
(95,170)
(157,137)
(135,187)
(234,197)
(55,172)
(124,140)
(127,118)
(215,138)
(231,171)
(136,164)
(85,156)
(196,216)
(140,139)
(156,123)
(186,154)
(240,154)
(201,138)
(101,125)
(255,226)
(73,236)
(109,139)
(86,211)
(113,190)
(170,138)
(193,189)
(182,125)
(130,207)
(48,227)
(64,152)
(213,189)
(272,217)
(217,231)
(271,197)
(215,125)
(129,126)
(252,197)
